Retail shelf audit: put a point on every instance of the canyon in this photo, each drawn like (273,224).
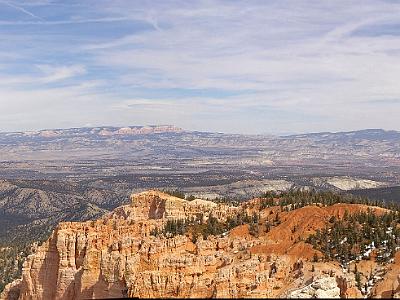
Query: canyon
(119,255)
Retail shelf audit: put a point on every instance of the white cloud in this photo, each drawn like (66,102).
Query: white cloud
(47,74)
(307,66)
(57,73)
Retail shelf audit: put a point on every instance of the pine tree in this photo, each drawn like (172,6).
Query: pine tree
(357,278)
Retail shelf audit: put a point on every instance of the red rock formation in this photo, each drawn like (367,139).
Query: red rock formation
(117,257)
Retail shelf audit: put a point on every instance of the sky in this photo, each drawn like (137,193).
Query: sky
(226,66)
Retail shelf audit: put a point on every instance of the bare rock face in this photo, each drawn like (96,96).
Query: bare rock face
(325,287)
(157,205)
(12,290)
(116,256)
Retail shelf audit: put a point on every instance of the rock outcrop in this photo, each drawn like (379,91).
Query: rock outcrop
(117,256)
(325,287)
(155,205)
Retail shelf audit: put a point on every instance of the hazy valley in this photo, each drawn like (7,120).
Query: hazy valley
(81,174)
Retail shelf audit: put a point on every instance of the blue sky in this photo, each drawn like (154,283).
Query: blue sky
(229,66)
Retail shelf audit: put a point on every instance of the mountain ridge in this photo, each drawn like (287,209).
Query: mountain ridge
(363,133)
(172,128)
(101,130)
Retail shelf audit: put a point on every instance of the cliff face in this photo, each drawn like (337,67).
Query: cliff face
(117,257)
(155,205)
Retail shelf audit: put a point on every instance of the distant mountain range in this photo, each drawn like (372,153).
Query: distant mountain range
(168,146)
(375,134)
(367,134)
(93,131)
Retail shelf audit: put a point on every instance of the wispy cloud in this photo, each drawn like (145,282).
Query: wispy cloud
(63,22)
(57,73)
(244,66)
(46,74)
(21,9)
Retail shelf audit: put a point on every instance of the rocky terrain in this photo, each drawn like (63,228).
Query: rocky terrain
(138,250)
(29,210)
(47,202)
(80,174)
(112,151)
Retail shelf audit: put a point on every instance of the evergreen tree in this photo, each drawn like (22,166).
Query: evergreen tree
(358,279)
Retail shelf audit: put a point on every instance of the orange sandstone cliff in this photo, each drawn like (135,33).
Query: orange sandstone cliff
(116,256)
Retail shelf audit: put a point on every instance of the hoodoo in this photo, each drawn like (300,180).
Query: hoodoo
(164,246)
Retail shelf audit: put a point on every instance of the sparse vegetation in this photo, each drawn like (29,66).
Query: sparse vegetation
(298,198)
(175,193)
(228,200)
(190,198)
(14,251)
(355,236)
(11,259)
(211,226)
